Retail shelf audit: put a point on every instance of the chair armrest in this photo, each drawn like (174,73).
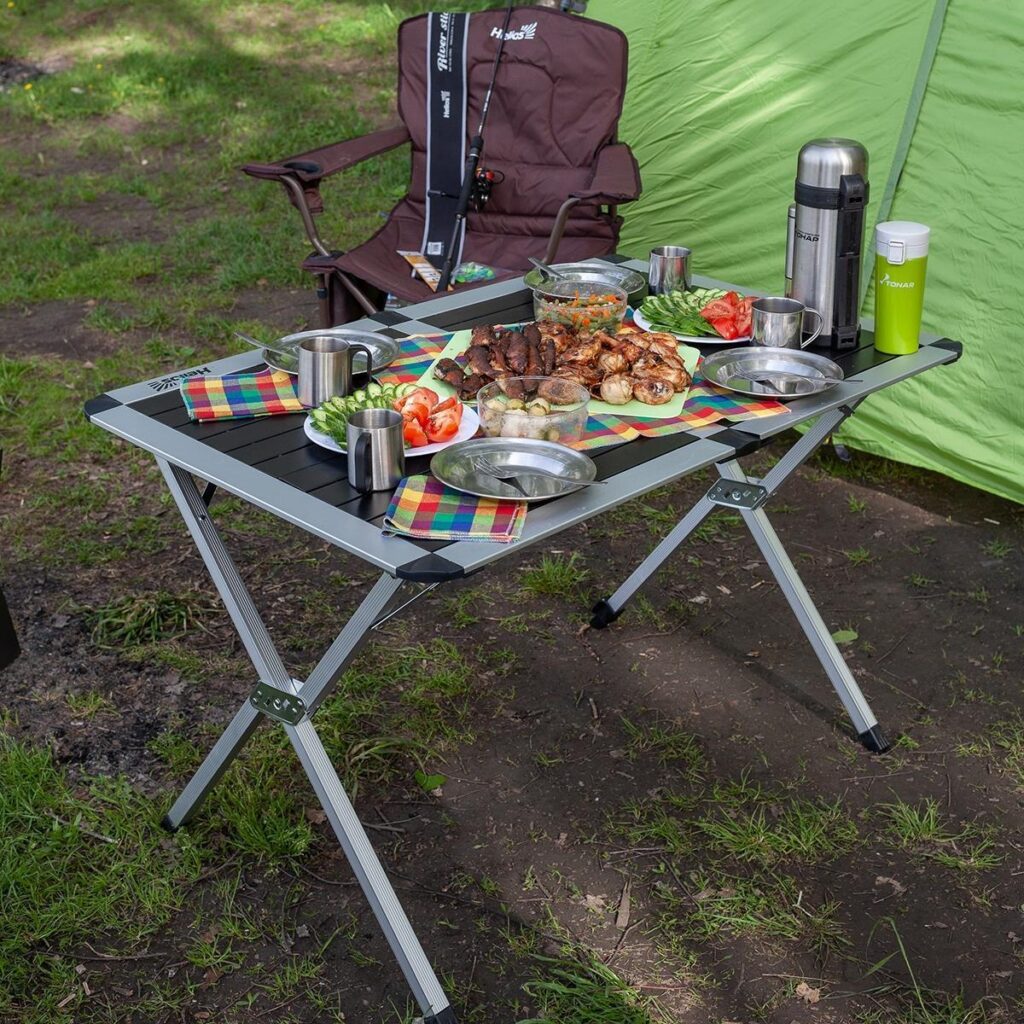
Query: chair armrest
(616,177)
(306,170)
(320,163)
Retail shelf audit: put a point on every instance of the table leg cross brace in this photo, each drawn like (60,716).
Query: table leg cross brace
(270,670)
(778,562)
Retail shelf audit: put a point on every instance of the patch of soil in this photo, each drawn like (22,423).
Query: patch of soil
(53,328)
(17,72)
(287,311)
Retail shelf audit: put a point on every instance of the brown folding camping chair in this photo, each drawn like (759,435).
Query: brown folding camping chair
(550,140)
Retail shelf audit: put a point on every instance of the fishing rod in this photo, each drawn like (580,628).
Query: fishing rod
(476,148)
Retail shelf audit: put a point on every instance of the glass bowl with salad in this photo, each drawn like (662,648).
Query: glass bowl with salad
(587,306)
(542,408)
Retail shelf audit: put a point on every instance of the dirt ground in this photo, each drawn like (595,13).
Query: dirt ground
(521,839)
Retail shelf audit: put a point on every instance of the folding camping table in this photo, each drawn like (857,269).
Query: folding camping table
(270,463)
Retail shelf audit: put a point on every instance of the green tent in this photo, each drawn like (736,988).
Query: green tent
(722,94)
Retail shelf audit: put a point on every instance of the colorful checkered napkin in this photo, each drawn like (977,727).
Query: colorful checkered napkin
(266,393)
(416,353)
(424,508)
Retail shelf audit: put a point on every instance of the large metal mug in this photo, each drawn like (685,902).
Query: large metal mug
(669,269)
(325,368)
(376,449)
(776,322)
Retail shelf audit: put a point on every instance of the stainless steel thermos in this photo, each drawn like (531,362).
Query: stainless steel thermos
(825,238)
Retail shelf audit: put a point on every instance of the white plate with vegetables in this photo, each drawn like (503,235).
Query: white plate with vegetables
(326,425)
(679,313)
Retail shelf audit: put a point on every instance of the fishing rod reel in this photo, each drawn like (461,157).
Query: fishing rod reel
(483,184)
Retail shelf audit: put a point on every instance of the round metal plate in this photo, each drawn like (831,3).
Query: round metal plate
(771,372)
(457,467)
(284,354)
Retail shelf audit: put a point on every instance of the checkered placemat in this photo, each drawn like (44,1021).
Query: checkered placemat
(266,393)
(425,508)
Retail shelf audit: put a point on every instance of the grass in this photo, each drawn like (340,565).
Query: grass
(75,864)
(134,620)
(920,828)
(576,988)
(556,576)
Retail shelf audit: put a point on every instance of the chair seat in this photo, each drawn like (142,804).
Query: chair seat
(506,252)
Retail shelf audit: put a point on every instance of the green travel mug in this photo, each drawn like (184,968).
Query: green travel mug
(901,258)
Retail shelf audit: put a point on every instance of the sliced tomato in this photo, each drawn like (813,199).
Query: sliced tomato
(726,327)
(443,426)
(414,434)
(421,396)
(718,309)
(448,403)
(419,411)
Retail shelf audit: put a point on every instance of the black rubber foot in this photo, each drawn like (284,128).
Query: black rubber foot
(168,824)
(446,1016)
(875,741)
(603,615)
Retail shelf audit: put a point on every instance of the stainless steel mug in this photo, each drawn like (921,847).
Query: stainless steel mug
(669,269)
(325,368)
(376,450)
(779,323)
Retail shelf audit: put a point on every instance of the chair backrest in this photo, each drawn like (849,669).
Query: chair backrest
(556,103)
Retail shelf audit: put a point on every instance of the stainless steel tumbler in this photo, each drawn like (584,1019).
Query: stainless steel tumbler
(325,368)
(669,269)
(376,450)
(779,323)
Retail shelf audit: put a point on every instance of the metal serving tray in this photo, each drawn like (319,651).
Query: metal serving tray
(283,354)
(771,372)
(457,467)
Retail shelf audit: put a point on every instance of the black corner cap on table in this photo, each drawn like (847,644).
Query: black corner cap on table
(432,568)
(101,403)
(388,317)
(950,346)
(742,444)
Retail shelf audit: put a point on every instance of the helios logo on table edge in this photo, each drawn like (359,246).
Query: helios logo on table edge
(890,283)
(523,32)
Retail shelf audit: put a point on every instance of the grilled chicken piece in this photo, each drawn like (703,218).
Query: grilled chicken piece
(472,384)
(580,373)
(483,334)
(518,352)
(615,389)
(612,362)
(559,391)
(652,392)
(499,364)
(585,351)
(651,367)
(451,373)
(479,359)
(513,387)
(563,337)
(664,344)
(534,365)
(548,355)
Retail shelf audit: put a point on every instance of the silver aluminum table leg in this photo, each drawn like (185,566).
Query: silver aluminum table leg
(609,609)
(810,620)
(271,669)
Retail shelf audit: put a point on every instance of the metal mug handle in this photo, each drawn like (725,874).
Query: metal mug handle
(821,325)
(353,349)
(364,466)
